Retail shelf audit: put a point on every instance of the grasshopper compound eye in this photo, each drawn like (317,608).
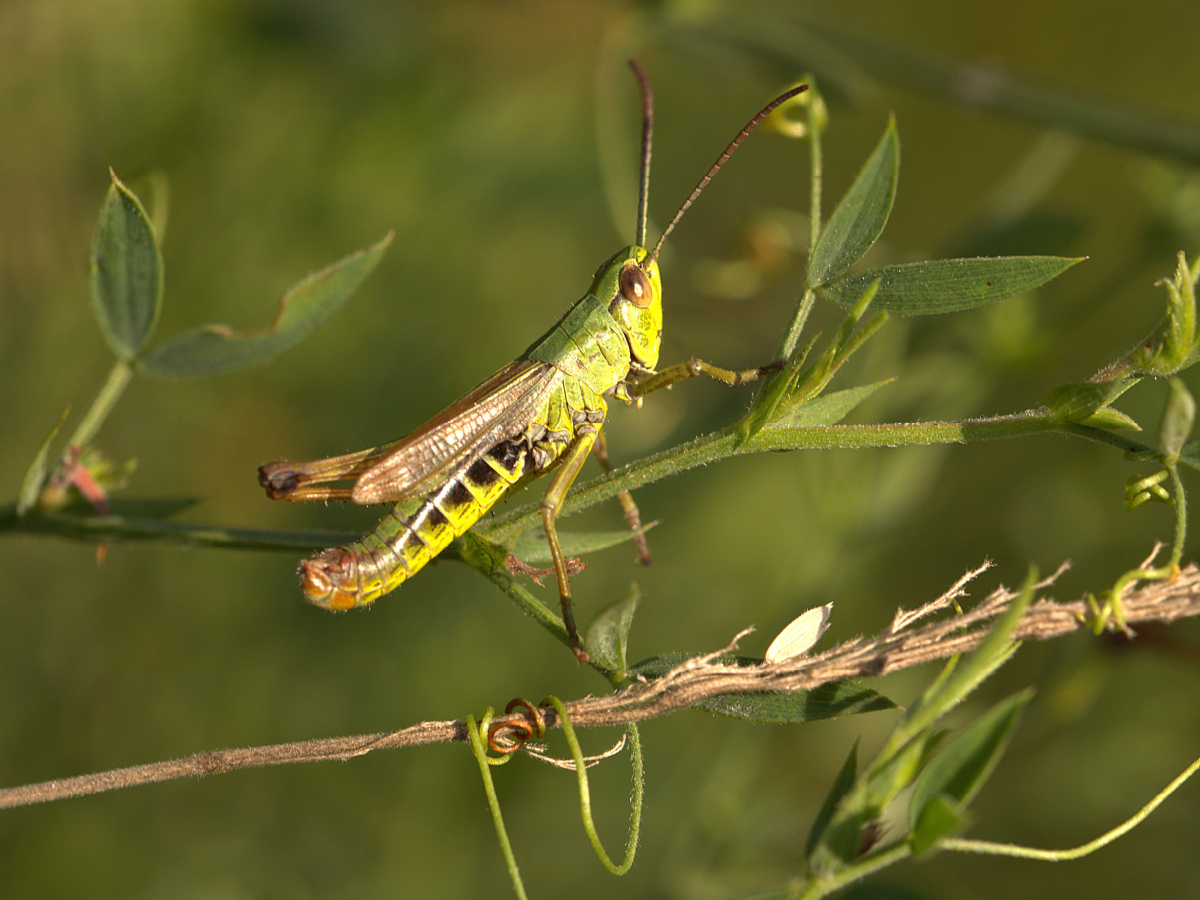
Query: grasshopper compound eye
(635,285)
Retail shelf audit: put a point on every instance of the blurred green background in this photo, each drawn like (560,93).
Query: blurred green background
(491,136)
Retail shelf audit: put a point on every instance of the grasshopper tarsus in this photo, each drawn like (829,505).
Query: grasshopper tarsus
(515,566)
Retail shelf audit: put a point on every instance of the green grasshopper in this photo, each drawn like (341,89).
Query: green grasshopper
(540,413)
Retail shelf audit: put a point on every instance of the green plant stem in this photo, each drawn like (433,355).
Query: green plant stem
(996,849)
(90,527)
(585,794)
(1180,516)
(110,393)
(549,619)
(792,336)
(812,889)
(701,451)
(725,443)
(817,179)
(479,749)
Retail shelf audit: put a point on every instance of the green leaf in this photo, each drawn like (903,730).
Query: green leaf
(479,552)
(959,769)
(305,307)
(778,389)
(607,638)
(1191,359)
(1189,454)
(940,816)
(860,216)
(1111,419)
(948,285)
(35,475)
(126,272)
(827,409)
(842,839)
(1076,401)
(1177,418)
(841,786)
(533,548)
(841,698)
(887,777)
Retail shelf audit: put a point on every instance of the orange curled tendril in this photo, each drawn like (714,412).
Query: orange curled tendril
(509,736)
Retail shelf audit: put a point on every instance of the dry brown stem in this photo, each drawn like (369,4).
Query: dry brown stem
(897,647)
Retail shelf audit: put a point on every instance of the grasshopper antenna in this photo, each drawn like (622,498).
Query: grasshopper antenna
(647,135)
(716,167)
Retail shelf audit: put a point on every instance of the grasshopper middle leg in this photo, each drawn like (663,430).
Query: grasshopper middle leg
(632,516)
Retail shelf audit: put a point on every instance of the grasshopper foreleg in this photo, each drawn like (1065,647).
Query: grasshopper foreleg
(691,369)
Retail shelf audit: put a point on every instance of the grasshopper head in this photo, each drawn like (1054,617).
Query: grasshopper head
(633,291)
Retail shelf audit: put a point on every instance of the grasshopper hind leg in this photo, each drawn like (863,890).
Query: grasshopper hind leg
(573,459)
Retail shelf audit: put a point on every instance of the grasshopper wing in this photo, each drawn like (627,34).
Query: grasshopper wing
(498,410)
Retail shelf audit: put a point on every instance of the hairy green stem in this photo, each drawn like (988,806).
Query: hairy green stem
(585,794)
(725,443)
(110,393)
(792,336)
(479,749)
(998,849)
(701,451)
(1180,516)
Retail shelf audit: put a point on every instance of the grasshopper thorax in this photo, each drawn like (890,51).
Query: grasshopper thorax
(630,287)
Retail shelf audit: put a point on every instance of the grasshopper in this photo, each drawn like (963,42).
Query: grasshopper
(543,412)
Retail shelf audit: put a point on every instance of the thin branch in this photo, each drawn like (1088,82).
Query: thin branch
(698,679)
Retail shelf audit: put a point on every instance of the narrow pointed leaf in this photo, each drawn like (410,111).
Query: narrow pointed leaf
(1190,453)
(827,409)
(607,638)
(940,817)
(1111,419)
(1177,418)
(886,778)
(948,285)
(860,216)
(532,546)
(126,272)
(35,475)
(841,698)
(218,348)
(840,787)
(959,769)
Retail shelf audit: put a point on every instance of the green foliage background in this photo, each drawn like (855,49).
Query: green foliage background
(292,133)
